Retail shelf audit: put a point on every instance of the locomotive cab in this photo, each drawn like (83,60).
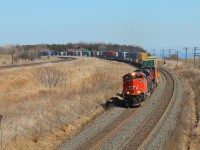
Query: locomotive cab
(135,87)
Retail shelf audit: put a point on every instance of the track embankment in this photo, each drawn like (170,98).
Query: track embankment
(130,128)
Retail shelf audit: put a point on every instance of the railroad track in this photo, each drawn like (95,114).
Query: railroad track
(147,125)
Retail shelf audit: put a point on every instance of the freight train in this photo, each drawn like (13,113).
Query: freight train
(132,57)
(138,84)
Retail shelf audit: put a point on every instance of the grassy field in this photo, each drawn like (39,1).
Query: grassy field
(43,106)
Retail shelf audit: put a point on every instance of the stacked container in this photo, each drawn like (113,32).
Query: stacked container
(116,55)
(94,53)
(136,57)
(98,53)
(84,53)
(121,56)
(142,57)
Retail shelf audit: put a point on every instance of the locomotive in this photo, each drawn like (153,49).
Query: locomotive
(140,83)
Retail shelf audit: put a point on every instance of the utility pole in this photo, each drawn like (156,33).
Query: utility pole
(177,56)
(195,48)
(160,54)
(13,57)
(186,49)
(163,52)
(169,53)
(163,57)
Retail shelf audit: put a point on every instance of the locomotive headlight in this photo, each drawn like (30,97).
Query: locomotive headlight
(138,92)
(128,92)
(133,74)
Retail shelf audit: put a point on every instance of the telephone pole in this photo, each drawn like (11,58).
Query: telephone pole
(163,52)
(186,49)
(195,48)
(169,53)
(177,56)
(13,52)
(160,53)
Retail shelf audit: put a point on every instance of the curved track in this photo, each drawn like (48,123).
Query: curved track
(147,125)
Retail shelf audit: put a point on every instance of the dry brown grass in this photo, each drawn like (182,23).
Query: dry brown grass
(41,117)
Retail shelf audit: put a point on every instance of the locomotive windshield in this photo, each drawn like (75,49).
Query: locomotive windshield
(138,76)
(128,78)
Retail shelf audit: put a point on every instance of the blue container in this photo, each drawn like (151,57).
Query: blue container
(84,53)
(44,53)
(55,53)
(64,53)
(136,57)
(121,55)
(70,53)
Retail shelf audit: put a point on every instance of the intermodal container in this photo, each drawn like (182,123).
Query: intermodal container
(61,53)
(98,53)
(135,57)
(142,56)
(65,53)
(94,53)
(84,53)
(89,53)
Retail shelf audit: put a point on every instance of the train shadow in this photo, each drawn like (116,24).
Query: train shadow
(115,102)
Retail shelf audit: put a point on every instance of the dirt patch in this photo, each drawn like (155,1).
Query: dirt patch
(46,105)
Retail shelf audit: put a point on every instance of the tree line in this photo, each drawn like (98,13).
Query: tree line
(32,52)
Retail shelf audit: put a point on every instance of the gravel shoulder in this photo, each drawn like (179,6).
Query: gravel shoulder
(162,135)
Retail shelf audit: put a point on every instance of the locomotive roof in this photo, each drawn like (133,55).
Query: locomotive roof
(145,71)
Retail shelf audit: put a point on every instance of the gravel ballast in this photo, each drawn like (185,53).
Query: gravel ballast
(92,129)
(162,133)
(135,122)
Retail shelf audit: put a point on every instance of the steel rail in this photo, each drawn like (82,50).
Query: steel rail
(148,125)
(110,130)
(98,140)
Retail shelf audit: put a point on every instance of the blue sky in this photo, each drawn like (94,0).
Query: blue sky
(159,24)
